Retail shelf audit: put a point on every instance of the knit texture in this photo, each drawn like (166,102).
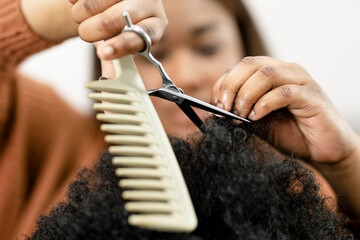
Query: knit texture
(43,141)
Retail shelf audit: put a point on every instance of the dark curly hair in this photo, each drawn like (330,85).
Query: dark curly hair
(241,187)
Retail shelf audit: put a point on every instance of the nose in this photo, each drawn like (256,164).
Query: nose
(185,71)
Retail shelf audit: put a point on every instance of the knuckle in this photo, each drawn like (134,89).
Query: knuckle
(108,23)
(263,108)
(249,60)
(74,15)
(91,6)
(316,90)
(295,66)
(247,107)
(243,102)
(224,81)
(228,71)
(286,92)
(268,71)
(227,84)
(152,32)
(159,12)
(241,98)
(104,22)
(223,88)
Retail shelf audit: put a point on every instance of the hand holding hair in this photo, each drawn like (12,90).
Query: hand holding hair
(259,85)
(314,129)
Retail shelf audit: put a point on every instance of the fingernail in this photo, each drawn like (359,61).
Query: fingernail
(219,105)
(108,51)
(236,112)
(251,115)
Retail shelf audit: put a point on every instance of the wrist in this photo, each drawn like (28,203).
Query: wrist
(344,164)
(344,178)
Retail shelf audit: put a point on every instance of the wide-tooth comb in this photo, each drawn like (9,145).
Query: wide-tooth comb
(154,188)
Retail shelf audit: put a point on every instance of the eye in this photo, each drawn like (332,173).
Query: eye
(208,50)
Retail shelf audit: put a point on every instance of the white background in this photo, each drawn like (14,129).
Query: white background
(321,35)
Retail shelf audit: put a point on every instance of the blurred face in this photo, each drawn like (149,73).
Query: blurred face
(201,42)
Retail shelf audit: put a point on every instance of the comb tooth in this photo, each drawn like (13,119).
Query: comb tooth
(145,184)
(148,195)
(141,173)
(108,86)
(130,139)
(108,89)
(151,207)
(121,118)
(134,151)
(125,129)
(117,108)
(113,98)
(137,162)
(163,222)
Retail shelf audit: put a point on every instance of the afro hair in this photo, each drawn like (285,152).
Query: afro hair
(241,188)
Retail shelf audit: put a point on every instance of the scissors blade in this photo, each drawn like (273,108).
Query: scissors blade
(182,99)
(192,115)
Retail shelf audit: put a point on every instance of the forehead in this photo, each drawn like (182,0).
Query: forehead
(184,15)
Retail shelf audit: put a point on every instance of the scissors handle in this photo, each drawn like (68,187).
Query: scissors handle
(130,27)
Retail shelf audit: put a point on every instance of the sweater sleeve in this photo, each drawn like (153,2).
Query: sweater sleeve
(17,40)
(43,141)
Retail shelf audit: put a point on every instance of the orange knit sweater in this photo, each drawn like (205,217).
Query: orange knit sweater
(43,141)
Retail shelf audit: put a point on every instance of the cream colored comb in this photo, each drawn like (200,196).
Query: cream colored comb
(154,188)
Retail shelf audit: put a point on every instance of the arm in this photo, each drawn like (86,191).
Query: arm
(50,19)
(314,131)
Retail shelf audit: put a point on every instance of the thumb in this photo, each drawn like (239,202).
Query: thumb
(107,67)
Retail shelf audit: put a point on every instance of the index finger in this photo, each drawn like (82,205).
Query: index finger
(233,81)
(130,42)
(111,21)
(83,9)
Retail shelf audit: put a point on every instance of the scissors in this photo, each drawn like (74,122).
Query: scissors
(169,91)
